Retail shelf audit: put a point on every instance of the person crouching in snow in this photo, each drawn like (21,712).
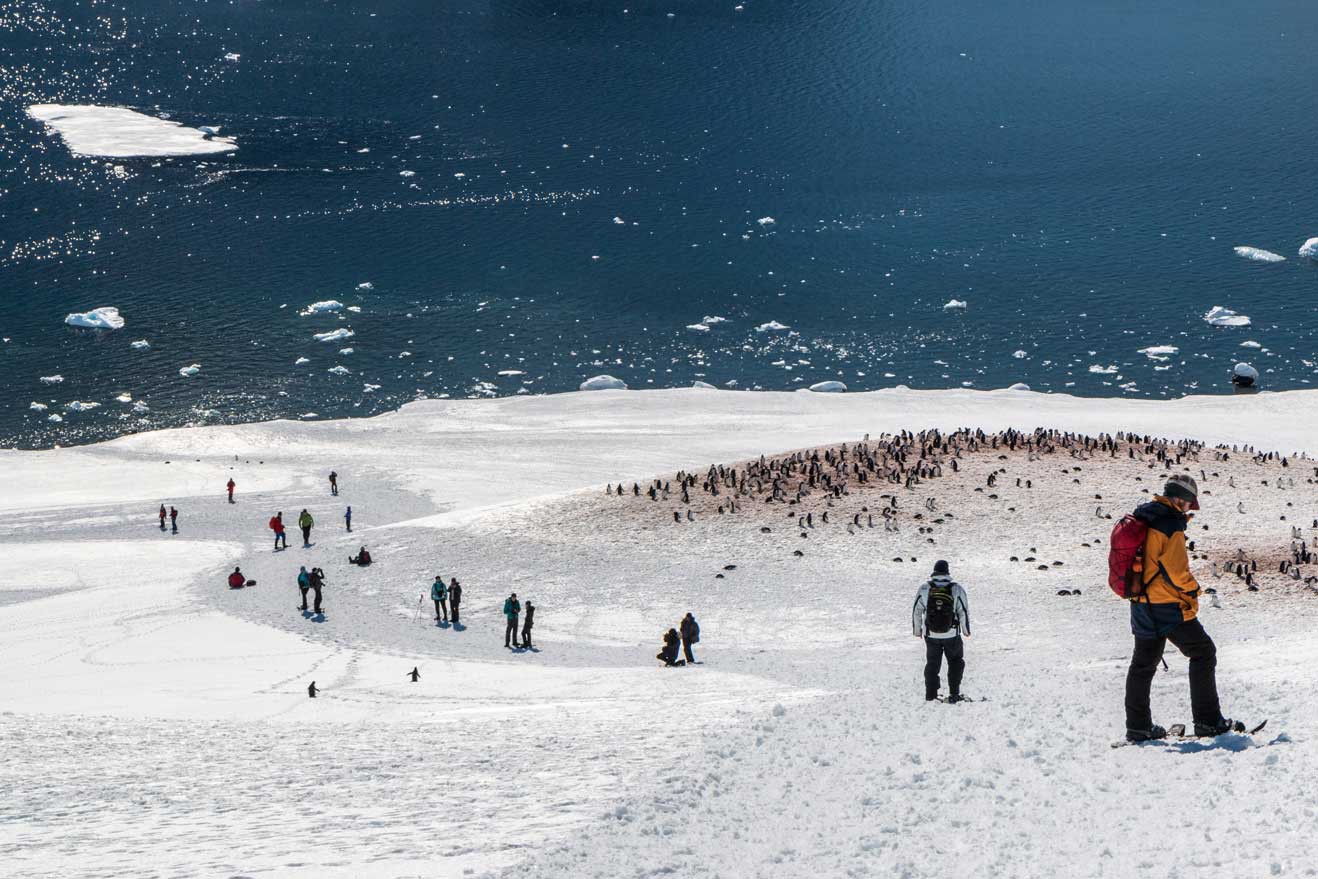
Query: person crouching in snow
(236,579)
(668,655)
(1166,609)
(363,558)
(941,615)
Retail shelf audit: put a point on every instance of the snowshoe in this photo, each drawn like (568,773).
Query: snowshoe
(1146,735)
(1223,725)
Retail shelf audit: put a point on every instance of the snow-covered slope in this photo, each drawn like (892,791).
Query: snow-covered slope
(156,722)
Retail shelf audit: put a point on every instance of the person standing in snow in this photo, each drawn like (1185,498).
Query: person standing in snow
(334,484)
(439,595)
(1167,610)
(511,609)
(163,513)
(231,486)
(313,690)
(304,586)
(454,597)
(173,520)
(305,522)
(941,615)
(347,519)
(690,632)
(277,526)
(526,626)
(317,577)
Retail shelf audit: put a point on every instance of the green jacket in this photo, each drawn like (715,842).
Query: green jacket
(305,521)
(511,607)
(438,591)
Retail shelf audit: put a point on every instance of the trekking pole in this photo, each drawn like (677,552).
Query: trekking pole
(419,602)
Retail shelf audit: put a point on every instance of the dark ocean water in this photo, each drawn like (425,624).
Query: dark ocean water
(1076,173)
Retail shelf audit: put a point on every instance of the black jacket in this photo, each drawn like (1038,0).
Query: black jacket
(690,630)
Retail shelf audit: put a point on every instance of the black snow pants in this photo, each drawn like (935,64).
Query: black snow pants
(686,649)
(1191,639)
(317,606)
(935,650)
(510,633)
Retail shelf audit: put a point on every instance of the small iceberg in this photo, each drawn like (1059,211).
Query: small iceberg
(141,345)
(1309,249)
(711,319)
(301,360)
(603,383)
(190,371)
(1224,317)
(699,328)
(339,370)
(619,221)
(1250,343)
(1159,352)
(1099,369)
(1020,354)
(365,285)
(327,306)
(1019,386)
(141,408)
(335,335)
(766,221)
(703,386)
(1258,254)
(828,387)
(80,406)
(105,318)
(772,326)
(954,303)
(51,379)
(55,418)
(117,132)
(124,398)
(38,407)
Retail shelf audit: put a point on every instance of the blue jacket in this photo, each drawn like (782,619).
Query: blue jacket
(438,591)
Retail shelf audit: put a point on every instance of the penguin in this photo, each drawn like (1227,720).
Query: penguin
(690,517)
(312,691)
(677,517)
(414,674)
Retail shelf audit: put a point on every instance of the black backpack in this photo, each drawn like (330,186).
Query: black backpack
(940,609)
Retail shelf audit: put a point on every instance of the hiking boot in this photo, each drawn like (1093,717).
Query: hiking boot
(1223,725)
(956,697)
(1146,735)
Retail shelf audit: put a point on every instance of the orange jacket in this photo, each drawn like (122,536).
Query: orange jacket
(1167,577)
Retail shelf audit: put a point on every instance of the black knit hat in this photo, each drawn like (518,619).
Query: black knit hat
(940,567)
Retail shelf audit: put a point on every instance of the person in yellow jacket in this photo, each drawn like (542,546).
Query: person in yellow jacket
(1168,610)
(305,522)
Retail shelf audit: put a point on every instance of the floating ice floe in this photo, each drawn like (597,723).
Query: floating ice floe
(365,285)
(141,345)
(1019,386)
(1258,254)
(334,335)
(603,383)
(190,371)
(406,173)
(124,398)
(38,407)
(118,132)
(619,221)
(1244,370)
(954,303)
(772,326)
(301,360)
(1020,355)
(55,418)
(1099,369)
(704,386)
(326,306)
(1250,343)
(51,379)
(1224,317)
(711,319)
(1159,352)
(699,328)
(511,372)
(80,406)
(105,318)
(346,351)
(766,221)
(141,408)
(231,56)
(370,389)
(828,387)
(1309,249)
(339,370)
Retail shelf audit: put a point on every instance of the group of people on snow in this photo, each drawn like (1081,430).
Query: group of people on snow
(686,634)
(512,608)
(446,596)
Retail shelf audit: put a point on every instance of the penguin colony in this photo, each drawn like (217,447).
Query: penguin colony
(912,489)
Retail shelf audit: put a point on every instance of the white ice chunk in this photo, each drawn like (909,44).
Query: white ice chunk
(704,385)
(603,383)
(301,360)
(1250,343)
(771,326)
(711,319)
(365,285)
(124,398)
(1225,317)
(1258,254)
(141,408)
(80,406)
(511,372)
(1309,249)
(189,371)
(1159,352)
(325,306)
(104,318)
(1019,386)
(38,407)
(1099,369)
(51,379)
(699,328)
(89,130)
(828,387)
(619,221)
(1244,370)
(1020,355)
(141,345)
(55,418)
(406,173)
(954,303)
(766,221)
(339,370)
(347,351)
(334,335)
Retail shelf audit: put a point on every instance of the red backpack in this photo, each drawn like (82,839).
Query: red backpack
(1125,557)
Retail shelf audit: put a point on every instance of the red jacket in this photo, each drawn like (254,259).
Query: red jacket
(276,525)
(236,580)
